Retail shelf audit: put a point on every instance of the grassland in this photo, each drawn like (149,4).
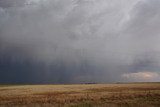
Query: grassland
(83,95)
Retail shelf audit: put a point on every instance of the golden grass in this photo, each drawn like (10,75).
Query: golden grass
(83,95)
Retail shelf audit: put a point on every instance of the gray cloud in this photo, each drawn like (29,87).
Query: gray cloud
(77,40)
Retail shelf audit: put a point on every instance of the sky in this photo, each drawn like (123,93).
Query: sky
(79,41)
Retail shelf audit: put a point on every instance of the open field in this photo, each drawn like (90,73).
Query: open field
(83,95)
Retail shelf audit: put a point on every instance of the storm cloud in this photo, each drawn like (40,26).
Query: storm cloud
(78,41)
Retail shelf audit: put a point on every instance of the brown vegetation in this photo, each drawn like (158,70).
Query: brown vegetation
(90,95)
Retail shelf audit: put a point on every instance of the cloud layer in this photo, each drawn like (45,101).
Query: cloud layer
(74,41)
(144,76)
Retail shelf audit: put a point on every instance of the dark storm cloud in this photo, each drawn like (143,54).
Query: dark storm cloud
(11,3)
(70,41)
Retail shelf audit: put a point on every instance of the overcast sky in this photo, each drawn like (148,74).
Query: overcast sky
(79,41)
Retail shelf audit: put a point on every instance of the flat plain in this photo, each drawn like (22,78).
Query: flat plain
(81,95)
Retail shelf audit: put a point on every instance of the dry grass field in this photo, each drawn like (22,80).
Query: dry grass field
(83,95)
